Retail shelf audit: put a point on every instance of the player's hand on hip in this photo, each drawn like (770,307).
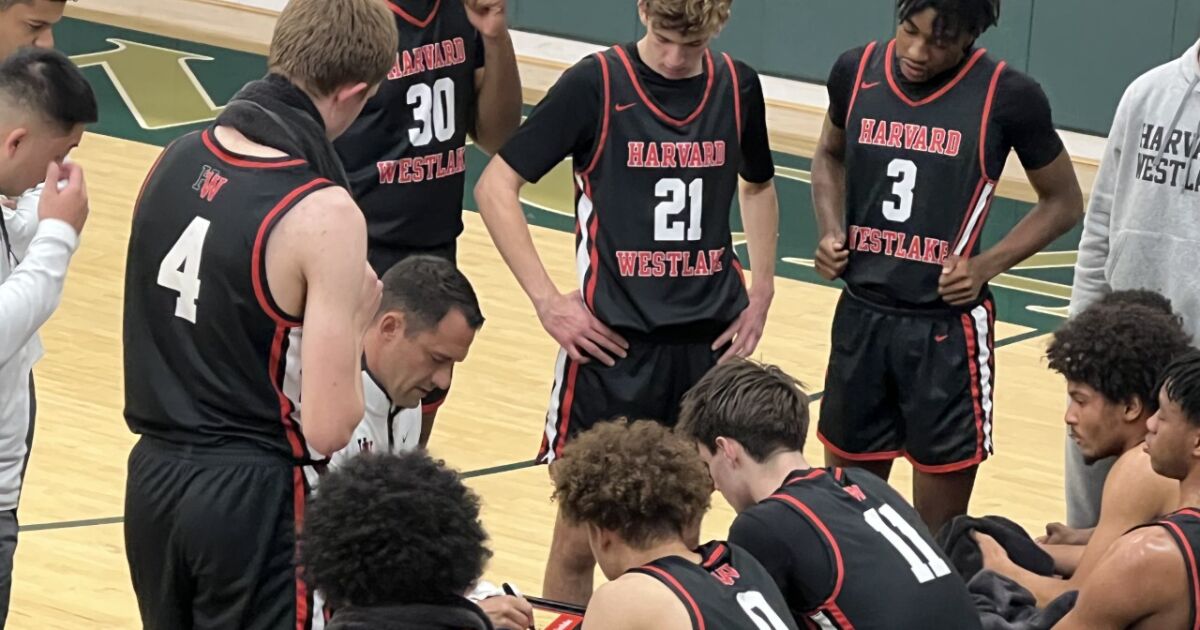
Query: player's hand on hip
(65,195)
(746,330)
(960,281)
(577,330)
(508,612)
(369,298)
(489,17)
(832,256)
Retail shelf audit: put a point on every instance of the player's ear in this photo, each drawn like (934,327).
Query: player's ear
(727,448)
(1134,408)
(353,93)
(392,324)
(13,140)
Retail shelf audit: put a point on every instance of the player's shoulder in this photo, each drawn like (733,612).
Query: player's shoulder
(853,57)
(1144,550)
(328,213)
(1132,481)
(635,601)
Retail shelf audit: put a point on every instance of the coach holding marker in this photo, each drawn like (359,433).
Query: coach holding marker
(44,105)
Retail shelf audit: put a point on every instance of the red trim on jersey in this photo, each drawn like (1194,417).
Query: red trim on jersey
(433,406)
(290,428)
(812,474)
(830,604)
(1189,555)
(987,114)
(153,168)
(979,225)
(737,94)
(565,411)
(245,161)
(858,457)
(637,85)
(1189,511)
(604,123)
(303,597)
(737,265)
(891,78)
(976,387)
(678,588)
(713,557)
(862,69)
(412,20)
(258,271)
(970,210)
(594,254)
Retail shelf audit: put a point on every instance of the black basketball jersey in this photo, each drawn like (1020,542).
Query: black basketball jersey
(653,242)
(406,153)
(730,590)
(1184,528)
(210,359)
(888,571)
(917,185)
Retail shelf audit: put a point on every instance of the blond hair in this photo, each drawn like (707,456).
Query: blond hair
(689,17)
(326,44)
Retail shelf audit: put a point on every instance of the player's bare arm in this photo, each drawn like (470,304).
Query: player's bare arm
(563,315)
(760,218)
(498,83)
(1141,583)
(316,265)
(636,602)
(829,200)
(1059,208)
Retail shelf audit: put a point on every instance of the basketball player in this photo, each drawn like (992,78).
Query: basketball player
(659,131)
(918,132)
(28,23)
(844,547)
(1147,579)
(45,102)
(455,75)
(640,492)
(247,268)
(1112,356)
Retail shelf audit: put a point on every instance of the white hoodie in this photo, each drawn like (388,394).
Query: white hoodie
(1142,229)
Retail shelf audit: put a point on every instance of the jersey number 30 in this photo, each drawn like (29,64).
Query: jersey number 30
(433,111)
(180,268)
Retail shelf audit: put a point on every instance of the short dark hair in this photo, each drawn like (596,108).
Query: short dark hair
(393,529)
(954,17)
(638,479)
(1119,349)
(1181,381)
(761,406)
(1152,300)
(46,83)
(425,289)
(8,4)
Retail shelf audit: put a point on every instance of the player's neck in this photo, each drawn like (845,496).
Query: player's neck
(634,558)
(1189,489)
(774,471)
(234,141)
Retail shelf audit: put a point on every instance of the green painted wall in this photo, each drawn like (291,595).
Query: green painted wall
(1083,52)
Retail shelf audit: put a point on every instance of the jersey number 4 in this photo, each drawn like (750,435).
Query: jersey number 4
(180,268)
(928,565)
(433,110)
(678,196)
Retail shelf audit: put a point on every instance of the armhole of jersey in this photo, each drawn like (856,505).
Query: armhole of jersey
(154,167)
(1189,563)
(830,605)
(737,94)
(684,596)
(862,69)
(258,258)
(602,139)
(987,116)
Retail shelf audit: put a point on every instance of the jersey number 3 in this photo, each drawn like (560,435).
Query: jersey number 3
(904,176)
(180,268)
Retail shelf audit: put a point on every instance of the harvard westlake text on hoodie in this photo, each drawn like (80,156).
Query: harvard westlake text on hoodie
(1142,229)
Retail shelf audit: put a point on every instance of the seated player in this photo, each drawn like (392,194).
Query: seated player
(394,541)
(1148,577)
(844,547)
(1111,355)
(640,493)
(427,320)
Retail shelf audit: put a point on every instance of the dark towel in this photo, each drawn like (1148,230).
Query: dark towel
(274,112)
(1005,605)
(955,539)
(459,614)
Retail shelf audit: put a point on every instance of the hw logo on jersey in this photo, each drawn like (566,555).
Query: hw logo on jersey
(726,574)
(209,183)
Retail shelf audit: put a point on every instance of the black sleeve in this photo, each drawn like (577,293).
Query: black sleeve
(757,164)
(564,123)
(840,85)
(798,561)
(1022,112)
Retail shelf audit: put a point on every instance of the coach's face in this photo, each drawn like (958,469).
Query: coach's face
(922,54)
(29,24)
(1095,422)
(28,149)
(1172,442)
(416,363)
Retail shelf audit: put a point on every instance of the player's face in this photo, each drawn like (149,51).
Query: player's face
(673,54)
(418,364)
(28,150)
(1094,422)
(922,55)
(30,24)
(1172,441)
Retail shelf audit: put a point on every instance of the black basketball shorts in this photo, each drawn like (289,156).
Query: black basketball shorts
(910,383)
(645,385)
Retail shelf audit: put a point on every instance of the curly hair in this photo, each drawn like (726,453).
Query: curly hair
(637,479)
(1118,349)
(760,406)
(688,17)
(1181,380)
(954,17)
(393,529)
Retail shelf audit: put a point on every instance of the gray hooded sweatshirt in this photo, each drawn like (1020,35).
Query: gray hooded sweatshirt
(1142,229)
